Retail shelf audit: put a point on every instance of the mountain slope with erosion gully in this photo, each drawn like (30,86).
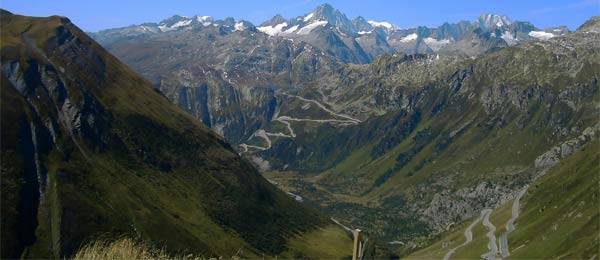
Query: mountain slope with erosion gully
(90,150)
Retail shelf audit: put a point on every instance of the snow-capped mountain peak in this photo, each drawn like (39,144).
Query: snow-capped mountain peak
(360,40)
(308,16)
(277,19)
(361,24)
(491,21)
(204,20)
(273,30)
(326,12)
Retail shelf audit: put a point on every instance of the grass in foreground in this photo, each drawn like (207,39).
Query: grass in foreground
(330,242)
(126,248)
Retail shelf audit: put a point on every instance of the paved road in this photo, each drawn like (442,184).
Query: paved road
(510,224)
(324,108)
(289,126)
(492,246)
(286,120)
(468,237)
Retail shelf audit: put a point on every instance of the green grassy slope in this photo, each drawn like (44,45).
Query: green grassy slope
(482,124)
(90,149)
(559,217)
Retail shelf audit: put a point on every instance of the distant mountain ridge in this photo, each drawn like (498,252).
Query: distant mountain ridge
(361,40)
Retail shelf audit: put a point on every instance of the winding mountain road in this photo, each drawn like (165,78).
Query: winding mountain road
(510,224)
(468,237)
(261,133)
(492,246)
(323,107)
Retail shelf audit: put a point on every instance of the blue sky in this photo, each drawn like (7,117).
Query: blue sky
(97,15)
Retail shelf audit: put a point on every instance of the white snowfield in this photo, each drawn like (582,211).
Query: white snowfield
(435,44)
(509,38)
(308,16)
(205,20)
(410,37)
(278,29)
(541,35)
(181,23)
(308,28)
(380,24)
(239,26)
(290,30)
(272,30)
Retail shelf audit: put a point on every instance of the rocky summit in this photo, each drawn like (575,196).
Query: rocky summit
(224,138)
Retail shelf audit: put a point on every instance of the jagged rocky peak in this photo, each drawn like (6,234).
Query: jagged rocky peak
(229,21)
(327,13)
(361,24)
(277,19)
(324,12)
(558,30)
(174,20)
(178,22)
(492,21)
(204,19)
(243,25)
(591,25)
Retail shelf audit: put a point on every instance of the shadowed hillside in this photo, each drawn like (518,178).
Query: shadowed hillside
(90,149)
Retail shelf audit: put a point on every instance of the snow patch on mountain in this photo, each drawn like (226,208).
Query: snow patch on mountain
(181,23)
(493,20)
(239,26)
(290,30)
(272,30)
(410,37)
(435,44)
(308,16)
(380,24)
(308,28)
(509,38)
(541,35)
(204,20)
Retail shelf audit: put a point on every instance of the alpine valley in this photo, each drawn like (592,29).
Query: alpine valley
(218,137)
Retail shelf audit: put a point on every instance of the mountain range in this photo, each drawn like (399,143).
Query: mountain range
(358,40)
(474,139)
(367,119)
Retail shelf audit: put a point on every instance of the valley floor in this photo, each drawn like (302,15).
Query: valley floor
(556,216)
